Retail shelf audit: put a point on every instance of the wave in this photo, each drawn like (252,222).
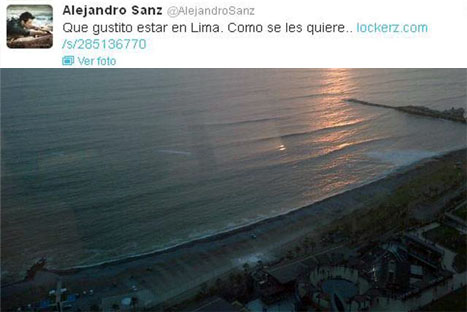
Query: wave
(449,98)
(341,125)
(174,152)
(246,121)
(401,157)
(267,119)
(257,169)
(315,95)
(243,227)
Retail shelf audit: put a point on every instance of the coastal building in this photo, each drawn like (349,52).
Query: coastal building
(381,273)
(394,276)
(287,275)
(423,251)
(279,286)
(269,289)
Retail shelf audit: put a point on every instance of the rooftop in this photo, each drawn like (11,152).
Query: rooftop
(287,273)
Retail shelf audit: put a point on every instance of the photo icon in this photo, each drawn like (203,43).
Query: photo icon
(29,26)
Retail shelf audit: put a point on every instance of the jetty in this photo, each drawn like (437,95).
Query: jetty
(452,114)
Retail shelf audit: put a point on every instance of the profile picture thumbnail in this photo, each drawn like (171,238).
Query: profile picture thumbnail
(29,26)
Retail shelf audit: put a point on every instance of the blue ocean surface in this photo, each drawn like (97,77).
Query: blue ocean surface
(104,164)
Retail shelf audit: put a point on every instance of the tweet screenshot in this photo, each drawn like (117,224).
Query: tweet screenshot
(233,155)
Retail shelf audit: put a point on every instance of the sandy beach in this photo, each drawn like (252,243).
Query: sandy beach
(167,275)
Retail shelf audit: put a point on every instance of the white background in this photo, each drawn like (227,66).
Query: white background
(445,45)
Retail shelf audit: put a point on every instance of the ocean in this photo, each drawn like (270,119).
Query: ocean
(99,165)
(43,14)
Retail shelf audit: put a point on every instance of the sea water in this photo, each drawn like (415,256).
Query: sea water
(105,164)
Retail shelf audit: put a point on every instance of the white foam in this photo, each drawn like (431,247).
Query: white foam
(175,152)
(401,157)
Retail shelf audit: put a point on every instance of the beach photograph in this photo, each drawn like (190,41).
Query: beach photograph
(233,189)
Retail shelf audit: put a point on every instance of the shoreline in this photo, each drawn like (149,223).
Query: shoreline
(171,272)
(241,228)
